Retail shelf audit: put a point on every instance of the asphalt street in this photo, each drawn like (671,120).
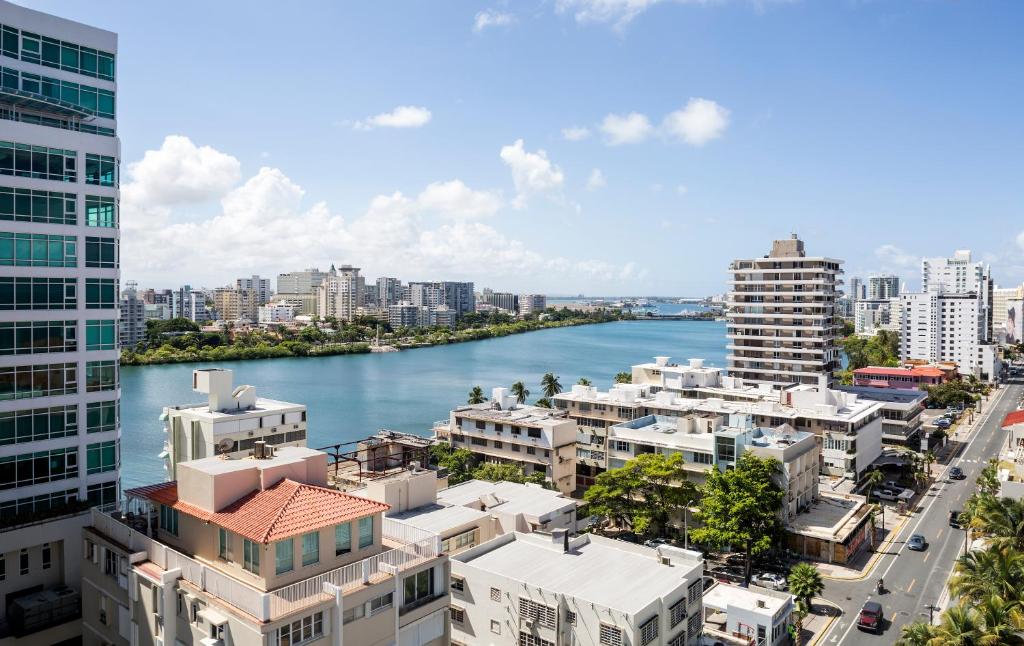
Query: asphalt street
(915,580)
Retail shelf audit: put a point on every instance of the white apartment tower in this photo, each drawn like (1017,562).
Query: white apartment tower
(884,287)
(59,296)
(782,321)
(389,291)
(341,293)
(959,275)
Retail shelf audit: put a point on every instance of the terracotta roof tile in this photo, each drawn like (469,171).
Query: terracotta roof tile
(286,509)
(1016,417)
(917,372)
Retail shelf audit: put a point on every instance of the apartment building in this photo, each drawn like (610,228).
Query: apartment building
(502,300)
(229,423)
(870,316)
(532,304)
(948,327)
(1007,315)
(59,297)
(389,291)
(910,377)
(782,322)
(734,614)
(132,322)
(341,293)
(901,412)
(259,551)
(256,289)
(540,440)
(883,287)
(300,282)
(458,297)
(554,590)
(277,312)
(858,290)
(961,275)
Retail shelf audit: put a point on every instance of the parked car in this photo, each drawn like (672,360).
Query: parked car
(771,580)
(655,542)
(956,473)
(888,494)
(942,422)
(917,543)
(954,519)
(727,574)
(871,617)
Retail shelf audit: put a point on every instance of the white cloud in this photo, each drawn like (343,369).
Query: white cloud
(596,180)
(1020,240)
(180,172)
(532,173)
(404,116)
(265,225)
(575,133)
(620,12)
(626,129)
(698,123)
(892,256)
(492,18)
(455,199)
(682,189)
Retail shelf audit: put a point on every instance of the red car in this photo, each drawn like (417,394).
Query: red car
(871,617)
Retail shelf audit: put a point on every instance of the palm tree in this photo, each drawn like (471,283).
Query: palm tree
(623,378)
(549,382)
(1003,621)
(1001,519)
(928,459)
(960,626)
(583,381)
(873,479)
(983,573)
(520,391)
(543,402)
(918,633)
(804,583)
(476,396)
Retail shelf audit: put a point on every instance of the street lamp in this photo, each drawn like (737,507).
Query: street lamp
(931,613)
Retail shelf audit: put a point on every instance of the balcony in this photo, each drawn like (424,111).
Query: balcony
(415,547)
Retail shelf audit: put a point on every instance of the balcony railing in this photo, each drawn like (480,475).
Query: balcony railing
(417,546)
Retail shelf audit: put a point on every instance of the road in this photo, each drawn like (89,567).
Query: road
(915,580)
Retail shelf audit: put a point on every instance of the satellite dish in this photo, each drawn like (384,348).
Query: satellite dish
(226,445)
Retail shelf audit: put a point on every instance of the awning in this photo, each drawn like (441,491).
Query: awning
(213,617)
(42,103)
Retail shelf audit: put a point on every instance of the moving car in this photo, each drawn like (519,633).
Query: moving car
(871,617)
(954,519)
(956,473)
(771,580)
(917,543)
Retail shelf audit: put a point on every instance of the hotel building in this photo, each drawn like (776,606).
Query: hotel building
(782,321)
(59,296)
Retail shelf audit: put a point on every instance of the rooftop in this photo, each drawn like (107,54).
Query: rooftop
(891,395)
(922,371)
(614,574)
(283,510)
(723,596)
(1016,417)
(262,407)
(440,518)
(832,517)
(530,500)
(521,414)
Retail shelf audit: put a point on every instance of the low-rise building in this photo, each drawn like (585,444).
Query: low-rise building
(532,303)
(277,312)
(834,528)
(747,615)
(901,412)
(258,551)
(230,422)
(515,507)
(919,377)
(538,590)
(540,440)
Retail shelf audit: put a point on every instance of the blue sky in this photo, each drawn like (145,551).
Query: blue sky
(879,131)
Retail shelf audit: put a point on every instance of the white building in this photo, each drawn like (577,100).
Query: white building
(558,591)
(1007,315)
(133,317)
(782,320)
(753,615)
(959,275)
(277,312)
(532,304)
(389,291)
(300,282)
(258,287)
(939,326)
(883,287)
(60,389)
(341,293)
(870,316)
(229,423)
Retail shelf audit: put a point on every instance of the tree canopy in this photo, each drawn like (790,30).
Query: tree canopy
(643,493)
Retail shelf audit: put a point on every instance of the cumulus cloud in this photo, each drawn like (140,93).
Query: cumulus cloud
(492,18)
(404,116)
(618,12)
(698,123)
(265,224)
(626,128)
(596,180)
(180,172)
(575,133)
(892,256)
(532,173)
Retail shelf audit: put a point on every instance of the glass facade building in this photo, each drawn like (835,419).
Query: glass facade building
(59,275)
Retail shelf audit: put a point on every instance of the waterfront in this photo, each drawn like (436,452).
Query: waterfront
(351,396)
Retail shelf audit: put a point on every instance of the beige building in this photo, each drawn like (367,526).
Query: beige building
(540,440)
(782,321)
(258,551)
(341,293)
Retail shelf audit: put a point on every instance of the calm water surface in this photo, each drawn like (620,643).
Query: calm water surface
(350,397)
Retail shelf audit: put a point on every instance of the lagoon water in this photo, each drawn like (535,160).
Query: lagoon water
(352,396)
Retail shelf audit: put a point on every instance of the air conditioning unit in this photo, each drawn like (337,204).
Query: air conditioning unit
(528,623)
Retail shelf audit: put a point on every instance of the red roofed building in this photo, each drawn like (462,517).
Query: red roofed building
(916,377)
(256,551)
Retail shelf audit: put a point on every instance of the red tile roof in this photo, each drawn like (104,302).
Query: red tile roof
(1016,417)
(286,509)
(900,372)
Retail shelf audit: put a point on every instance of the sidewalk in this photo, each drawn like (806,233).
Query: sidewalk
(865,562)
(817,624)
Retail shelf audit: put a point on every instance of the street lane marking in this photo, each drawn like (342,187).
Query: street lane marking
(940,533)
(925,560)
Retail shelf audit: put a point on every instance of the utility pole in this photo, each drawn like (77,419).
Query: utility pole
(931,613)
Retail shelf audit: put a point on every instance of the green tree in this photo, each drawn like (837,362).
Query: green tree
(543,402)
(583,381)
(1001,520)
(739,507)
(549,382)
(497,472)
(642,494)
(476,396)
(623,378)
(804,583)
(988,479)
(960,626)
(520,391)
(458,462)
(980,574)
(917,633)
(873,479)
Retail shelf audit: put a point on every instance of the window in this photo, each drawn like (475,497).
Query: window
(38,293)
(105,493)
(310,548)
(223,544)
(38,424)
(44,207)
(458,583)
(419,586)
(458,615)
(100,375)
(100,335)
(100,170)
(100,211)
(169,519)
(23,562)
(610,635)
(381,603)
(41,466)
(365,532)
(38,250)
(703,458)
(678,640)
(726,447)
(527,639)
(496,595)
(35,337)
(353,613)
(481,425)
(302,630)
(542,614)
(693,624)
(251,556)
(101,457)
(530,450)
(495,627)
(38,162)
(342,539)
(533,432)
(461,541)
(677,613)
(570,617)
(101,416)
(47,556)
(284,558)
(649,631)
(100,293)
(693,592)
(40,380)
(101,252)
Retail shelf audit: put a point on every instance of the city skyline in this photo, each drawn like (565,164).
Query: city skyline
(519,130)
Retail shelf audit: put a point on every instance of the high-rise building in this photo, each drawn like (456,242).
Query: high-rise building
(260,287)
(502,300)
(884,287)
(300,282)
(857,291)
(227,302)
(341,293)
(458,297)
(532,303)
(960,275)
(59,388)
(389,291)
(782,322)
(1007,319)
(133,317)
